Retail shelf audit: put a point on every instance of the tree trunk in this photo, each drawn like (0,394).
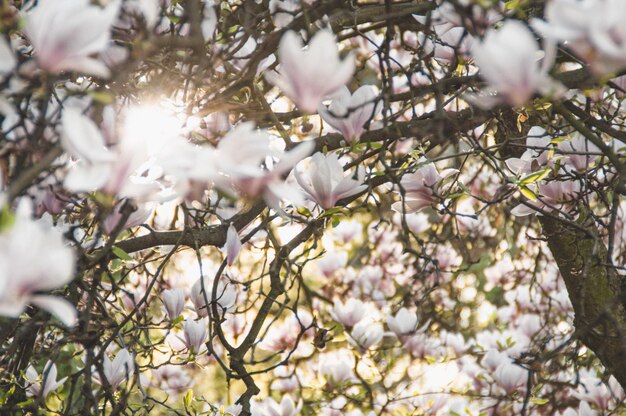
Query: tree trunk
(595,290)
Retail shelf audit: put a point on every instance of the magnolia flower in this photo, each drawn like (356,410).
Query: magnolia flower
(174,302)
(325,183)
(403,323)
(283,11)
(308,76)
(579,152)
(171,378)
(65,34)
(195,333)
(48,379)
(348,113)
(286,407)
(366,334)
(451,42)
(209,22)
(332,262)
(510,377)
(592,29)
(421,188)
(239,157)
(593,390)
(7,58)
(337,368)
(537,144)
(82,139)
(232,246)
(137,217)
(350,313)
(225,296)
(120,369)
(34,259)
(552,195)
(508,61)
(493,358)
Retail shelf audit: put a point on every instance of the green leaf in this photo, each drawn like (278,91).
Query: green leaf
(332,211)
(7,218)
(528,193)
(539,401)
(535,176)
(102,97)
(188,398)
(121,254)
(304,211)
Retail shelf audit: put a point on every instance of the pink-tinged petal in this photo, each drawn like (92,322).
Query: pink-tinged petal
(14,306)
(285,191)
(347,188)
(58,307)
(430,175)
(280,82)
(310,75)
(233,245)
(321,180)
(85,177)
(522,210)
(82,139)
(304,182)
(411,205)
(85,65)
(517,165)
(7,58)
(295,155)
(65,34)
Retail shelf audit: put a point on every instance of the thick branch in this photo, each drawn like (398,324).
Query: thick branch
(595,290)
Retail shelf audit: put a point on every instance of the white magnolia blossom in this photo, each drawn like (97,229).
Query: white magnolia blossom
(137,217)
(307,76)
(508,59)
(44,384)
(209,21)
(283,11)
(120,369)
(225,296)
(592,29)
(7,58)
(451,42)
(337,368)
(420,188)
(174,302)
(286,407)
(82,139)
(579,152)
(332,262)
(350,313)
(551,195)
(366,334)
(232,246)
(537,151)
(239,157)
(325,182)
(403,323)
(66,34)
(348,113)
(33,259)
(196,333)
(510,377)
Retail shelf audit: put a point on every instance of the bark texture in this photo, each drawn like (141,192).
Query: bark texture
(595,289)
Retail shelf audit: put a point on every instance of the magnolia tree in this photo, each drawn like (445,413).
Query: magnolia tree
(311,207)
